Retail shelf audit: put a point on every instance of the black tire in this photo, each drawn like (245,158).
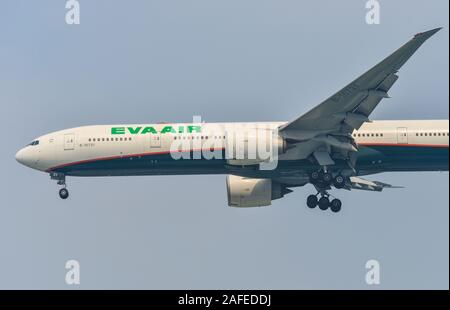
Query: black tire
(324,203)
(339,181)
(314,177)
(327,177)
(63,193)
(335,205)
(312,201)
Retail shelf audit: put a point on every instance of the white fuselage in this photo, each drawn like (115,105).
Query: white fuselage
(102,143)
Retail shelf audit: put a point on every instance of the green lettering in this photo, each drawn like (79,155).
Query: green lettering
(118,130)
(134,131)
(197,129)
(148,129)
(168,129)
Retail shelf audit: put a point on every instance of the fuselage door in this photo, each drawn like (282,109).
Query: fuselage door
(402,135)
(155,140)
(69,142)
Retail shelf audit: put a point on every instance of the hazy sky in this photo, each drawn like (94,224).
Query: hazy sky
(234,60)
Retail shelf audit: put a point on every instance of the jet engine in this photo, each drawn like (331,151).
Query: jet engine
(247,192)
(253,147)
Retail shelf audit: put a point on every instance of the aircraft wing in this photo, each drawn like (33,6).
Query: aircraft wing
(350,107)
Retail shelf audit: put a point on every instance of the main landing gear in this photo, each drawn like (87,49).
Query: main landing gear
(324,202)
(61,180)
(326,179)
(323,180)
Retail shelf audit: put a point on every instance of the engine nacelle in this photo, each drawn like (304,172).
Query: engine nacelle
(247,192)
(250,148)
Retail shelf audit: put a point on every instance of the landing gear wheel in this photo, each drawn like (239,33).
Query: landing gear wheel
(327,177)
(336,205)
(63,193)
(315,177)
(324,203)
(312,201)
(339,181)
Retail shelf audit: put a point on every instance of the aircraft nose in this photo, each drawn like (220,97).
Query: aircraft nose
(20,156)
(25,157)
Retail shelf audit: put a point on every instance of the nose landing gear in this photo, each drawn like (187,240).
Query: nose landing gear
(63,193)
(61,180)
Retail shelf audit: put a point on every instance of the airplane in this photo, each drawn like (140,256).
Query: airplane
(334,145)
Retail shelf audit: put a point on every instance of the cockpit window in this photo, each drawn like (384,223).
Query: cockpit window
(35,142)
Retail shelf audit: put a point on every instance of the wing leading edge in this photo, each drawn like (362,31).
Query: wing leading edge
(350,107)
